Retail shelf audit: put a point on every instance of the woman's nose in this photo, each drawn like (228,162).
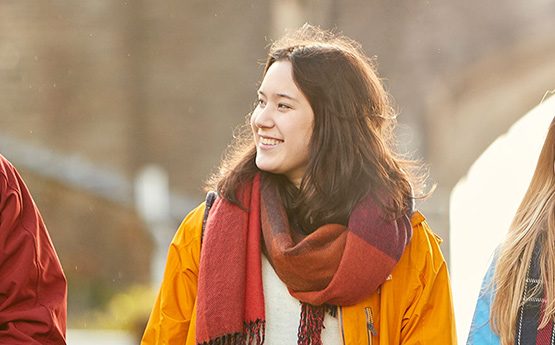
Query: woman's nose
(263,118)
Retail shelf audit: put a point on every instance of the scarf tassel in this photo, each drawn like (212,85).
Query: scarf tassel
(256,331)
(253,334)
(311,324)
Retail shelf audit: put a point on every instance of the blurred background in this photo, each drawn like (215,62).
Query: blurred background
(115,112)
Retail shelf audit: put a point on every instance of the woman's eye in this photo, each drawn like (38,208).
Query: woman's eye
(261,102)
(284,106)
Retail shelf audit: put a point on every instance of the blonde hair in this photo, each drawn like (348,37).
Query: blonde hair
(534,220)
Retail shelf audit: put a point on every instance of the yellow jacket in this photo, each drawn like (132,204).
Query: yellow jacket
(414,306)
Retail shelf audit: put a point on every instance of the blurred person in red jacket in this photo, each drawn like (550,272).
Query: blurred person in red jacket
(33,288)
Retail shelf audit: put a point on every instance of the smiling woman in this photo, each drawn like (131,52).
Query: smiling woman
(312,237)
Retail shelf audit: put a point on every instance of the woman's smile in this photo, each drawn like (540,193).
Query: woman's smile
(268,141)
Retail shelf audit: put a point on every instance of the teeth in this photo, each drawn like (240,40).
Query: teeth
(268,141)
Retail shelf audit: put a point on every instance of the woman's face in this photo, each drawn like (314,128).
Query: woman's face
(282,124)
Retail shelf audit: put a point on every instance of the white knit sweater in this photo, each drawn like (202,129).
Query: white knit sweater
(283,312)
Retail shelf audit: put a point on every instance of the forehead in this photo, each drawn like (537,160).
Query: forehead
(279,76)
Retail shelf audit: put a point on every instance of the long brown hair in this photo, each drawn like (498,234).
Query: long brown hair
(352,149)
(534,220)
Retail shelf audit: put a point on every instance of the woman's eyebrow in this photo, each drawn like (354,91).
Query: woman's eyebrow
(281,95)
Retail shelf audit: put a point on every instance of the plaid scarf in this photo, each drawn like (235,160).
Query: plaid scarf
(334,265)
(532,308)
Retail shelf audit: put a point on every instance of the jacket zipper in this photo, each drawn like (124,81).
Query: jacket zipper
(370,325)
(340,320)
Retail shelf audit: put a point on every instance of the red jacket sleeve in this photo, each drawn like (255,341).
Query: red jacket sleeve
(33,289)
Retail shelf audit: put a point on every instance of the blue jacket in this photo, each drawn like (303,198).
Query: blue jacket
(481,332)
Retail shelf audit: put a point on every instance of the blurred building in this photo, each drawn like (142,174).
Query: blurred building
(91,92)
